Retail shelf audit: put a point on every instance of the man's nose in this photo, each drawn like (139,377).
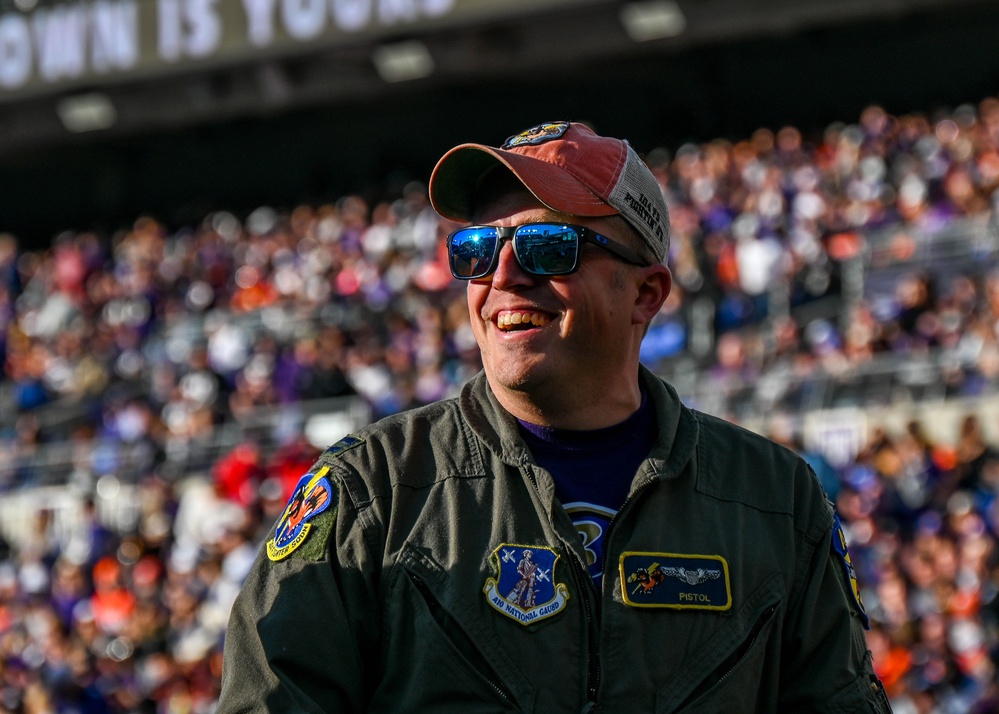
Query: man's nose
(508,269)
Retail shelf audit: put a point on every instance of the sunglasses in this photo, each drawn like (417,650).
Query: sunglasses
(544,249)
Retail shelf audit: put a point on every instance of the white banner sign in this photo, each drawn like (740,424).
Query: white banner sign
(96,42)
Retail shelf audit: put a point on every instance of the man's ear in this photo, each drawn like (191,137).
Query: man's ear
(656,283)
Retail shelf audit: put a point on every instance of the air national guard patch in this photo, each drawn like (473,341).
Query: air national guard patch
(525,589)
(674,580)
(313,495)
(839,546)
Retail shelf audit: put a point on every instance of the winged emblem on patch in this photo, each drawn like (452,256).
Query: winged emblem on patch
(675,580)
(692,577)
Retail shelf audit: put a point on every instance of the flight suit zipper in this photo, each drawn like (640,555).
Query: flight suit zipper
(466,648)
(586,590)
(593,668)
(593,657)
(632,497)
(732,662)
(593,637)
(603,569)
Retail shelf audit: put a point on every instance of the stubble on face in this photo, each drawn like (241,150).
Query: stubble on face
(578,355)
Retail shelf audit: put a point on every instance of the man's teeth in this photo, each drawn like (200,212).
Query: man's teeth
(509,320)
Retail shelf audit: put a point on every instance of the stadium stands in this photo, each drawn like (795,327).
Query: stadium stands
(165,386)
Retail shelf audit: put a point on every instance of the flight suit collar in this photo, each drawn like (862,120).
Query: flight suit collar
(678,431)
(493,425)
(497,429)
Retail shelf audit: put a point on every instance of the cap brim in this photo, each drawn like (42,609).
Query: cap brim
(456,177)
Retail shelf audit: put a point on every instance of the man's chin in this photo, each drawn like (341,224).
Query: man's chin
(530,383)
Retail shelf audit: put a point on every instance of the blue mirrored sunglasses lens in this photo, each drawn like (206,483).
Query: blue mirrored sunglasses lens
(471,252)
(547,248)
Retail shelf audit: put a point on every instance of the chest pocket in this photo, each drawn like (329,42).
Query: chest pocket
(444,660)
(735,665)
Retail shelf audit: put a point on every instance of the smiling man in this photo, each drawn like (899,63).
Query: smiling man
(554,346)
(565,536)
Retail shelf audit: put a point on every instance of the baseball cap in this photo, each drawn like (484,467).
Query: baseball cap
(569,168)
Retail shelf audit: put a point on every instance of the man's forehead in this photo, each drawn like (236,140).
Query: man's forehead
(497,188)
(500,194)
(521,207)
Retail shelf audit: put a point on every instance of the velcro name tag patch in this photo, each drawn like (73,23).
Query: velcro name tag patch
(675,580)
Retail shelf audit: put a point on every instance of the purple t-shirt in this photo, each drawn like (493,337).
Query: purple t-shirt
(593,471)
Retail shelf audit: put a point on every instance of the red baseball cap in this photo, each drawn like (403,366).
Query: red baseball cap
(569,168)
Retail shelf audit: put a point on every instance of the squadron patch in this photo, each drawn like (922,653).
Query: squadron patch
(537,134)
(839,546)
(524,588)
(312,495)
(674,580)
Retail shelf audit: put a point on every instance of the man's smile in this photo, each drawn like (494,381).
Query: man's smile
(521,319)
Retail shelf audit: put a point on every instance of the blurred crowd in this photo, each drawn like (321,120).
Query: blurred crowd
(124,355)
(775,240)
(923,520)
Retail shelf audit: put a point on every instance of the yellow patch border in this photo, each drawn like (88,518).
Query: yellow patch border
(275,553)
(674,606)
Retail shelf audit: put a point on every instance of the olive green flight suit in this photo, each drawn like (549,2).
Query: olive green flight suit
(722,589)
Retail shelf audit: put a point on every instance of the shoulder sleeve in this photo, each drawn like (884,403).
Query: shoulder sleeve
(827,665)
(295,633)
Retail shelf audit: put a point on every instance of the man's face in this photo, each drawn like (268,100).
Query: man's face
(568,336)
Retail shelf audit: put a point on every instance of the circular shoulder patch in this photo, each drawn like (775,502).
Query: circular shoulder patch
(312,495)
(843,554)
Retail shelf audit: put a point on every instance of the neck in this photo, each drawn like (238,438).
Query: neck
(577,406)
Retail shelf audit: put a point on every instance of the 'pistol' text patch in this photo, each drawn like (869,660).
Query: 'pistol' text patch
(675,580)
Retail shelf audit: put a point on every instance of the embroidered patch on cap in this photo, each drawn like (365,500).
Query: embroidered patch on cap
(839,546)
(537,134)
(675,580)
(312,496)
(524,588)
